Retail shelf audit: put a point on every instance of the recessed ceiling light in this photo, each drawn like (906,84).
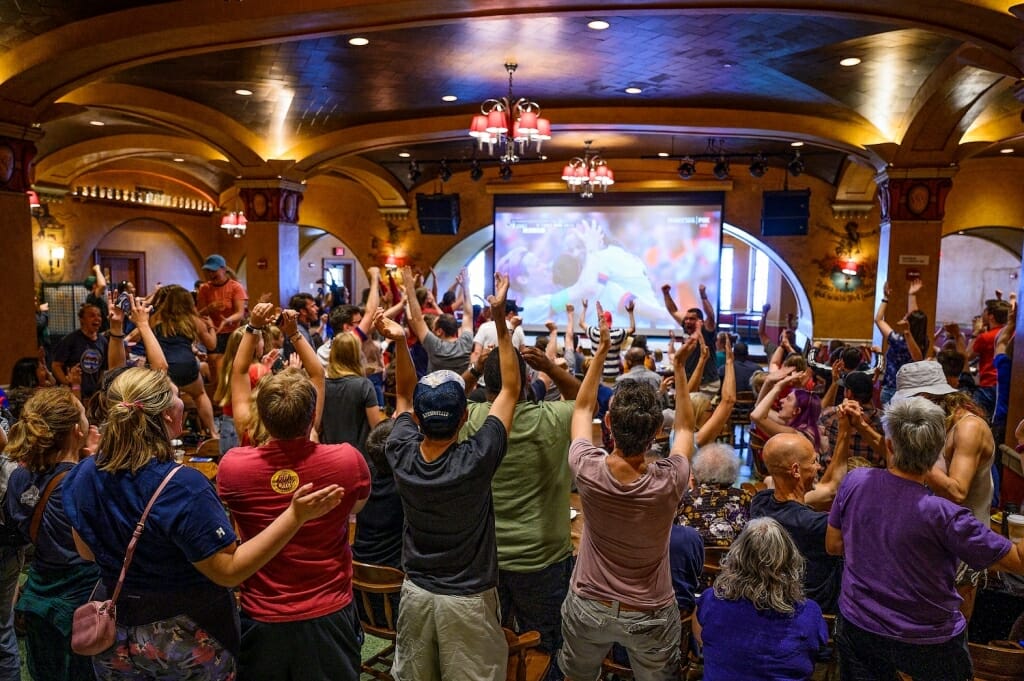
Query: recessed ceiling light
(598,24)
(449,98)
(633,90)
(1007,150)
(358,42)
(404,154)
(663,154)
(727,65)
(796,144)
(849,61)
(97,123)
(243,92)
(179,160)
(543,157)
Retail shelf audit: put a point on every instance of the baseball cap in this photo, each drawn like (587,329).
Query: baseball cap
(215,262)
(512,308)
(89,282)
(859,383)
(439,402)
(925,376)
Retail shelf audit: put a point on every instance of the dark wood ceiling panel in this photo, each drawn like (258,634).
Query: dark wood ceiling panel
(22,20)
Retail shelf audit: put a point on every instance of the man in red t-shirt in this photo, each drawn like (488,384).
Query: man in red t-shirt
(298,618)
(983,347)
(222,299)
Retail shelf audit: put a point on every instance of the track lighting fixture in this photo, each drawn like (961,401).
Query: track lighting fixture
(687,168)
(796,166)
(505,171)
(475,171)
(721,169)
(414,172)
(445,173)
(758,167)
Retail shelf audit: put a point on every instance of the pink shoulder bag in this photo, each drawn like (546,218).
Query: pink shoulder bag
(94,626)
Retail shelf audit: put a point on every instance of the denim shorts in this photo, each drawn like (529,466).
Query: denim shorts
(590,627)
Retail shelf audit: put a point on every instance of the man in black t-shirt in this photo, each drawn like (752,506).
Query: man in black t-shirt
(696,320)
(793,463)
(448,625)
(81,356)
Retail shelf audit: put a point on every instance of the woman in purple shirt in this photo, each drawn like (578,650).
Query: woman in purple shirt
(899,608)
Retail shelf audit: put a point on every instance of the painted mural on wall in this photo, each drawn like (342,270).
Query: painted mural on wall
(848,272)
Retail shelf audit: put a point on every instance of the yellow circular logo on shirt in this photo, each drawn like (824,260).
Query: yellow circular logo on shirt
(284,481)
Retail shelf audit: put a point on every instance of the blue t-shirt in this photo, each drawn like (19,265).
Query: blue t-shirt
(1003,364)
(742,642)
(686,561)
(187,524)
(77,349)
(897,353)
(55,547)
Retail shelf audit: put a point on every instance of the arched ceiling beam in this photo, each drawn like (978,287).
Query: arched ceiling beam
(233,140)
(386,191)
(43,69)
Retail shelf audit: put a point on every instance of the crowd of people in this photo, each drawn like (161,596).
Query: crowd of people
(456,441)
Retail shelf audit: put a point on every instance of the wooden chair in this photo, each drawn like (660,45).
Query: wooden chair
(713,562)
(377,579)
(739,419)
(526,662)
(756,454)
(997,661)
(828,671)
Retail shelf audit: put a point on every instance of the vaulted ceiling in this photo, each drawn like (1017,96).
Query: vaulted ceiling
(934,84)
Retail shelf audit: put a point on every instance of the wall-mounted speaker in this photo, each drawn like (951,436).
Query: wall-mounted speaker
(438,213)
(786,213)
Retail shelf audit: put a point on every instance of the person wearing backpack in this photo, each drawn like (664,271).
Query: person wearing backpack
(47,442)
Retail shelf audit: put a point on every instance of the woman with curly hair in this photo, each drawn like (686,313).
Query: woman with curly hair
(47,441)
(176,616)
(178,326)
(756,623)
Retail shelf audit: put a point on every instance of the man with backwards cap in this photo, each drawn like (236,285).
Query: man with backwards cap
(963,473)
(222,299)
(449,622)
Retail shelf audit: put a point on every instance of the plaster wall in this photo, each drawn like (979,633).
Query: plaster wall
(986,193)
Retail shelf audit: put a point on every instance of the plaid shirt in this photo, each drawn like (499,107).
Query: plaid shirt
(829,426)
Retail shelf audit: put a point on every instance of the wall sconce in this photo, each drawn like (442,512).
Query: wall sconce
(391,263)
(56,253)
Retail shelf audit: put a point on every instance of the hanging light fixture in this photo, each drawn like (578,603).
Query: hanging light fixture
(585,173)
(234,223)
(687,168)
(721,169)
(796,166)
(759,166)
(34,205)
(508,125)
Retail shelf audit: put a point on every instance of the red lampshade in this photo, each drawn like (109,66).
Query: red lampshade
(33,200)
(478,128)
(496,123)
(543,129)
(567,173)
(528,123)
(240,219)
(229,219)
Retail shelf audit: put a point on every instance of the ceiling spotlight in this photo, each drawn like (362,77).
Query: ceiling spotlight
(1007,150)
(358,42)
(796,144)
(796,166)
(505,171)
(446,172)
(687,168)
(475,171)
(243,92)
(598,24)
(758,167)
(404,154)
(178,159)
(721,169)
(663,154)
(449,98)
(98,124)
(849,61)
(633,90)
(414,172)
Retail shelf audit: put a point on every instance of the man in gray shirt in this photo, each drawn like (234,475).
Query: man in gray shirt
(636,371)
(448,346)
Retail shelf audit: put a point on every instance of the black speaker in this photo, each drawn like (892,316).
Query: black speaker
(438,213)
(786,213)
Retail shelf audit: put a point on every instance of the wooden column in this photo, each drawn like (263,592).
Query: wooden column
(17,276)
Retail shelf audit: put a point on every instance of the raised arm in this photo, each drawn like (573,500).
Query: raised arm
(880,322)
(205,331)
(116,356)
(570,336)
(709,309)
(567,384)
(630,309)
(912,290)
(760,415)
(310,362)
(551,349)
(825,491)
(698,371)
(405,372)
(683,423)
(762,324)
(829,398)
(140,317)
(467,303)
(241,391)
(970,442)
(670,305)
(372,301)
(504,405)
(583,315)
(416,322)
(586,398)
(903,327)
(101,281)
(713,426)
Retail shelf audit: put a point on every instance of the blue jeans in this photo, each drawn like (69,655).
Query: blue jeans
(11,560)
(865,656)
(228,434)
(533,602)
(986,399)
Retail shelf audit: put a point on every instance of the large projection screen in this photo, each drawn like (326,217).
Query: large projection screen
(613,249)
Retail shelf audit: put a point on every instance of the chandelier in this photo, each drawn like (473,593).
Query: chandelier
(584,174)
(234,223)
(508,125)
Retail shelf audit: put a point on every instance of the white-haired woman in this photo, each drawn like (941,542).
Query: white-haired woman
(715,508)
(756,623)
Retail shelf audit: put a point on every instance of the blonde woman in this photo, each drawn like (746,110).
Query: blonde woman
(47,442)
(350,408)
(229,436)
(756,621)
(176,617)
(178,326)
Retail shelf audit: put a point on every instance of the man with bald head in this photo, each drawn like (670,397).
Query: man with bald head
(637,371)
(794,466)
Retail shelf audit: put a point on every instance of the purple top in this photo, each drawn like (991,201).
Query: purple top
(624,550)
(902,545)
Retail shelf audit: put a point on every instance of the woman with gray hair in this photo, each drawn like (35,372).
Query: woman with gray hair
(756,623)
(899,609)
(716,509)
